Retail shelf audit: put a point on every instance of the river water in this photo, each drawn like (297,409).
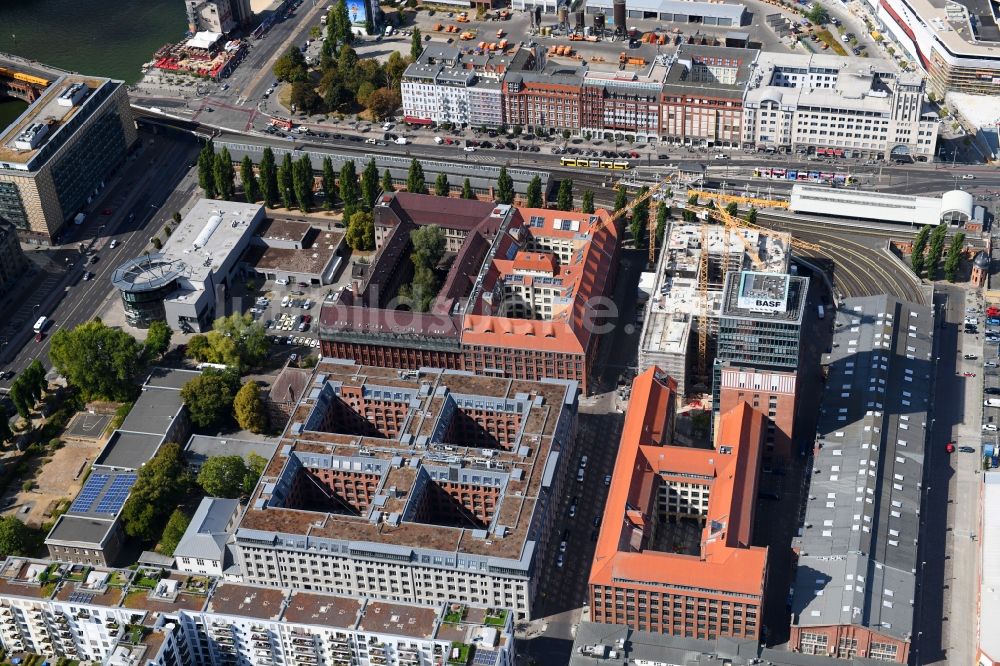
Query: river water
(99,37)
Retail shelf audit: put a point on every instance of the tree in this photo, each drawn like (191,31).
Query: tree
(31,383)
(752,215)
(587,205)
(251,189)
(291,66)
(206,169)
(99,360)
(349,188)
(732,209)
(936,250)
(415,45)
(564,198)
(198,347)
(954,258)
(415,178)
(621,199)
(157,339)
(268,178)
(387,185)
(640,219)
(394,68)
(303,182)
(208,398)
(345,35)
(467,192)
(305,98)
(369,185)
(173,532)
(21,401)
(15,537)
(360,234)
(176,217)
(505,187)
(919,248)
(237,341)
(662,213)
(441,186)
(248,408)
(223,476)
(817,14)
(224,174)
(533,194)
(160,486)
(329,184)
(286,181)
(256,465)
(428,245)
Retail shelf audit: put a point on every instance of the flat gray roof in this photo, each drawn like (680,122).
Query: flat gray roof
(859,541)
(202,446)
(154,411)
(633,647)
(128,450)
(788,292)
(83,530)
(733,12)
(174,378)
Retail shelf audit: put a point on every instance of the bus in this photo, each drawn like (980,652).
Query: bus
(40,324)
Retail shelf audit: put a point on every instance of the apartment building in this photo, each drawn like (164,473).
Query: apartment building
(670,325)
(58,154)
(517,300)
(623,102)
(221,16)
(702,95)
(550,99)
(445,85)
(801,102)
(114,617)
(673,555)
(757,357)
(419,486)
(855,591)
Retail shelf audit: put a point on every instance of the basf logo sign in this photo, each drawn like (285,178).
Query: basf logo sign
(763,292)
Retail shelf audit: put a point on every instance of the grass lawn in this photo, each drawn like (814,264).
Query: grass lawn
(463,653)
(117,579)
(831,41)
(455,616)
(496,619)
(146,581)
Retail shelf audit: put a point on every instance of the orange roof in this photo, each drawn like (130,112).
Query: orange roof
(726,563)
(536,334)
(538,262)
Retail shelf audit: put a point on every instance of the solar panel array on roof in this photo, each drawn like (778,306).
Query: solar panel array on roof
(91,491)
(81,597)
(116,495)
(485,658)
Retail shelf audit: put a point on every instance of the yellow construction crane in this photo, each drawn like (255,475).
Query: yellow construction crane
(756,202)
(631,205)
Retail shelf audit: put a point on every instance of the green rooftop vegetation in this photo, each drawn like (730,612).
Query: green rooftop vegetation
(496,617)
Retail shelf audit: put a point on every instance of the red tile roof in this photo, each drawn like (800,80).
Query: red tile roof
(726,564)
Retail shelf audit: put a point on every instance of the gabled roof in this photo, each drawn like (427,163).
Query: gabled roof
(206,536)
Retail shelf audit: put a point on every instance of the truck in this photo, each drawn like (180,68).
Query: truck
(991,402)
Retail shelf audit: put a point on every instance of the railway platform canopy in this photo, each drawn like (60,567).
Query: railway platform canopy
(955,207)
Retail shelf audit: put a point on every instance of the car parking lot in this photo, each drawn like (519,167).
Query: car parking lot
(989,364)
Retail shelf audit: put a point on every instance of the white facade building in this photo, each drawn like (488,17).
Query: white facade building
(202,549)
(864,106)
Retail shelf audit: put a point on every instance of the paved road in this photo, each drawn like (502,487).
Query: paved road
(145,188)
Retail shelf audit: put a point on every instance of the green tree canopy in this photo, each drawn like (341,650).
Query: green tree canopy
(954,259)
(160,486)
(157,339)
(360,234)
(269,178)
(6,434)
(369,185)
(587,205)
(206,170)
(224,174)
(248,408)
(564,198)
(387,185)
(533,195)
(15,537)
(662,213)
(251,188)
(238,341)
(640,219)
(467,191)
(818,14)
(255,467)
(349,189)
(752,215)
(223,476)
(441,185)
(935,250)
(305,98)
(208,397)
(329,184)
(177,524)
(286,181)
(302,182)
(621,198)
(919,248)
(99,360)
(415,178)
(428,245)
(291,66)
(415,46)
(505,187)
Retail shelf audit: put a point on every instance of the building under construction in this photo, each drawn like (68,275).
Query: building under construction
(676,300)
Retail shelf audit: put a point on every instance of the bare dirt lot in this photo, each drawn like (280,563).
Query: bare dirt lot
(60,478)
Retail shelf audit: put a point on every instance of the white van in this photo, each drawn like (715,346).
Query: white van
(401,141)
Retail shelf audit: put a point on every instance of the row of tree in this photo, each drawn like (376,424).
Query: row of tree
(928,250)
(214,395)
(25,392)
